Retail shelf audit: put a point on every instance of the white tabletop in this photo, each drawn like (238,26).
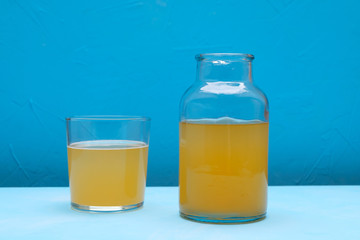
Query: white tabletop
(296,212)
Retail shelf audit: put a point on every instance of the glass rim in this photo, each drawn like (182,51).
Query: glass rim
(108,117)
(234,56)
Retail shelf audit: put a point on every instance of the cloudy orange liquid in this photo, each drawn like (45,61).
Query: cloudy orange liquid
(223,168)
(107,172)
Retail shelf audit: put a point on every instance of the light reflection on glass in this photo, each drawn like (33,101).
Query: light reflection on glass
(224,88)
(220,62)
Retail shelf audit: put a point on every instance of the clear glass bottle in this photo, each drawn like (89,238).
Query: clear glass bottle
(223,142)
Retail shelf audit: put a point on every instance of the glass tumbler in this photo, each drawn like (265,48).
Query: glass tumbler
(223,142)
(107,159)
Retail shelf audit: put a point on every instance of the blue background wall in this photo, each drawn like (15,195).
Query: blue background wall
(62,58)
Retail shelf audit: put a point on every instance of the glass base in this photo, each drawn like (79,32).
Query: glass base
(224,220)
(105,209)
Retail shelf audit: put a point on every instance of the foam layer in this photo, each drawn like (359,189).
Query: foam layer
(222,120)
(107,144)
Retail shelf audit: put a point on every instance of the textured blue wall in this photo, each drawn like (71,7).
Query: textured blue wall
(62,58)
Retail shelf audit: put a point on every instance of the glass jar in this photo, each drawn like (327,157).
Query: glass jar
(223,174)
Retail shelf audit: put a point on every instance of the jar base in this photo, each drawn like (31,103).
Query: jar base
(223,220)
(105,209)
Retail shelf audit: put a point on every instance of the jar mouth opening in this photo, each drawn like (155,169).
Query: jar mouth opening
(233,57)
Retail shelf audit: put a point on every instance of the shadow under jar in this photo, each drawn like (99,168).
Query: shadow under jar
(223,142)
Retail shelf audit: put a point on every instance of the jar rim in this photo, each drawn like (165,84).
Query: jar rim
(224,56)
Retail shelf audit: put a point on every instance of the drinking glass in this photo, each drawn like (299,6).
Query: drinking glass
(107,159)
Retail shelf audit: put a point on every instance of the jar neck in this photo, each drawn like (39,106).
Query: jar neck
(227,71)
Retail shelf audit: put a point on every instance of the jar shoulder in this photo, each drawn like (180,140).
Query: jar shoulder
(218,99)
(223,91)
